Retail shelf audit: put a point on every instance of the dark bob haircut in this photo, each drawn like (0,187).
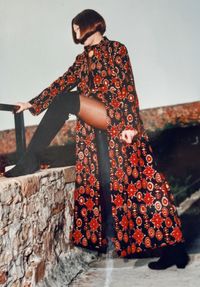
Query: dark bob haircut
(89,22)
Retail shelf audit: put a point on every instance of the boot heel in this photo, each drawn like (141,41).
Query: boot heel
(181,265)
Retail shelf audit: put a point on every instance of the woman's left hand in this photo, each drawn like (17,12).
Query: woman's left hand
(128,135)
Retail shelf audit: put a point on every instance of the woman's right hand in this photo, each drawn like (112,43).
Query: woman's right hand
(22,107)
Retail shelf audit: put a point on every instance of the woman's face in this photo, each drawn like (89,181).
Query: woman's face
(77,31)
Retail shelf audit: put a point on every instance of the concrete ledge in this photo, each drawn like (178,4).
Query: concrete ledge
(36,217)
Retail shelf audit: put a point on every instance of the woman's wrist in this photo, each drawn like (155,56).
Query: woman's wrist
(29,105)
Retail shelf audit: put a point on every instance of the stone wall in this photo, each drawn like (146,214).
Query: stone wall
(154,119)
(36,216)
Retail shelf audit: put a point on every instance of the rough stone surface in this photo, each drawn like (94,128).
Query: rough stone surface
(36,217)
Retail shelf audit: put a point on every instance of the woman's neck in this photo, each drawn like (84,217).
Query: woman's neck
(93,39)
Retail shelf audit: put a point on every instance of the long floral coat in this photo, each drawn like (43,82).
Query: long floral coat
(142,203)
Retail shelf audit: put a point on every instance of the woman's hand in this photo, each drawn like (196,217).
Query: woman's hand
(128,135)
(22,107)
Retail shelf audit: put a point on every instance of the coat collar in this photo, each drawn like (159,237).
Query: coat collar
(103,42)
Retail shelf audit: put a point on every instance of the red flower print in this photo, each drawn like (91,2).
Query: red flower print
(150,186)
(133,248)
(92,179)
(88,140)
(71,79)
(165,211)
(168,222)
(149,172)
(83,84)
(118,60)
(120,173)
(148,198)
(97,53)
(158,205)
(147,242)
(144,183)
(131,190)
(165,201)
(149,158)
(139,220)
(104,88)
(114,131)
(37,109)
(165,188)
(115,185)
(131,224)
(135,172)
(122,51)
(97,79)
(76,194)
(130,118)
(123,253)
(77,236)
(118,201)
(139,196)
(133,159)
(143,208)
(141,161)
(177,234)
(94,238)
(157,220)
(79,167)
(138,236)
(115,104)
(125,237)
(159,235)
(129,170)
(94,224)
(120,235)
(151,232)
(84,242)
(89,203)
(124,222)
(138,184)
(158,177)
(79,222)
(81,200)
(83,211)
(54,92)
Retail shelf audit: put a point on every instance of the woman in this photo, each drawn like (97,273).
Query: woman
(121,199)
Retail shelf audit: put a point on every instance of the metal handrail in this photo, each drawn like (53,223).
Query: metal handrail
(19,128)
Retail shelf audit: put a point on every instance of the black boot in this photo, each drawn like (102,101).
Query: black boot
(54,118)
(171,255)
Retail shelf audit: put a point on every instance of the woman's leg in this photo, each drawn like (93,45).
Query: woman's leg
(93,112)
(53,119)
(90,110)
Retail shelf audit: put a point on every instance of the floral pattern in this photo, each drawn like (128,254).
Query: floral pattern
(143,206)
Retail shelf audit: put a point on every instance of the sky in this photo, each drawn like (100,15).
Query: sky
(162,38)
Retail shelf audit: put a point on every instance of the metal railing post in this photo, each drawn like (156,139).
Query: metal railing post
(19,128)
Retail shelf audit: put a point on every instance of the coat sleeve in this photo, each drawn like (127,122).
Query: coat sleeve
(66,82)
(125,93)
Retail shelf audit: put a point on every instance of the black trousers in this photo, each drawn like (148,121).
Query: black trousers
(104,179)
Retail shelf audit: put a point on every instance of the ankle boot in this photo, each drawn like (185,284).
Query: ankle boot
(171,255)
(53,120)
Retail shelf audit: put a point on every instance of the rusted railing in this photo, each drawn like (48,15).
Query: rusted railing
(19,128)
